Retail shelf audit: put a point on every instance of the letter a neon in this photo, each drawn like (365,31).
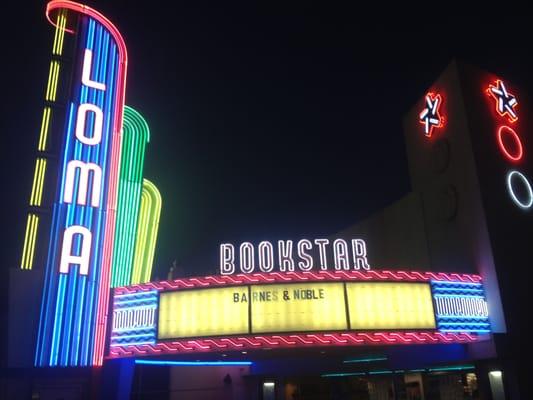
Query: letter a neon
(67,258)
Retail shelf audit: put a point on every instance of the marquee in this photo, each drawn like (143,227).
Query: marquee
(294,309)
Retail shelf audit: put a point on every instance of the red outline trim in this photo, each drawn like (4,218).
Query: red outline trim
(290,341)
(103,297)
(273,277)
(509,156)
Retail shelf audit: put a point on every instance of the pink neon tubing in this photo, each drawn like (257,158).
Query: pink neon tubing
(319,339)
(103,297)
(300,276)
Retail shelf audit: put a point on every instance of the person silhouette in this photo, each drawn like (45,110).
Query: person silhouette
(170,274)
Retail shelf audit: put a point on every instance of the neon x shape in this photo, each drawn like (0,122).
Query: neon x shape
(430,116)
(505,101)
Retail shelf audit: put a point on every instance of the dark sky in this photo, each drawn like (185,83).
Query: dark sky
(266,123)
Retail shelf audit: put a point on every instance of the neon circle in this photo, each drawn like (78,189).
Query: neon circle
(517,201)
(512,156)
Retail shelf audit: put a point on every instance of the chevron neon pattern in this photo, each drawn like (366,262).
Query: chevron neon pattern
(290,341)
(375,275)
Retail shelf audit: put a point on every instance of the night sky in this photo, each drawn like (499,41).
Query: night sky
(266,123)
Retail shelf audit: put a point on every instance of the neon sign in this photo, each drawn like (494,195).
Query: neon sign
(135,136)
(527,201)
(43,148)
(430,116)
(287,255)
(76,288)
(510,145)
(301,309)
(104,214)
(146,237)
(505,101)
(460,306)
(134,319)
(515,154)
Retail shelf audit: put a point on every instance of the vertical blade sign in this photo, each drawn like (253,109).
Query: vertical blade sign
(76,288)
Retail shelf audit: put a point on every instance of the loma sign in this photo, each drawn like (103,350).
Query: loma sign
(73,319)
(287,255)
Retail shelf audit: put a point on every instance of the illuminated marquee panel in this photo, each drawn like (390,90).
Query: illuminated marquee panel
(460,307)
(76,287)
(210,312)
(390,305)
(295,307)
(247,311)
(134,318)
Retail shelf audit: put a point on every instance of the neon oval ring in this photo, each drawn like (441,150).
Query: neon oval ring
(524,206)
(507,154)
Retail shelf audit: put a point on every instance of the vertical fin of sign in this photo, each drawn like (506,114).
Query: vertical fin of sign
(110,223)
(147,228)
(136,135)
(75,297)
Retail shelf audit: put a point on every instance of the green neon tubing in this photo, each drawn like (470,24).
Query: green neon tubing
(136,135)
(146,233)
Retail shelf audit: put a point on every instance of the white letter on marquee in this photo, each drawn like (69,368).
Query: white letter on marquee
(321,243)
(227,259)
(81,118)
(247,258)
(286,263)
(86,72)
(340,255)
(307,261)
(359,254)
(84,169)
(68,258)
(266,256)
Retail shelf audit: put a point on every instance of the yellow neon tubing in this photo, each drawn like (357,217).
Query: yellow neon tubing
(44,129)
(49,84)
(63,23)
(33,240)
(25,247)
(56,36)
(40,186)
(59,34)
(29,241)
(56,78)
(34,185)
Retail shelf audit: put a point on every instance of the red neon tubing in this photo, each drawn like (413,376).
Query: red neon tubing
(440,124)
(516,138)
(288,341)
(298,276)
(495,97)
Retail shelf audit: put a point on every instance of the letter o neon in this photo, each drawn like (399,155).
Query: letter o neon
(522,205)
(519,149)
